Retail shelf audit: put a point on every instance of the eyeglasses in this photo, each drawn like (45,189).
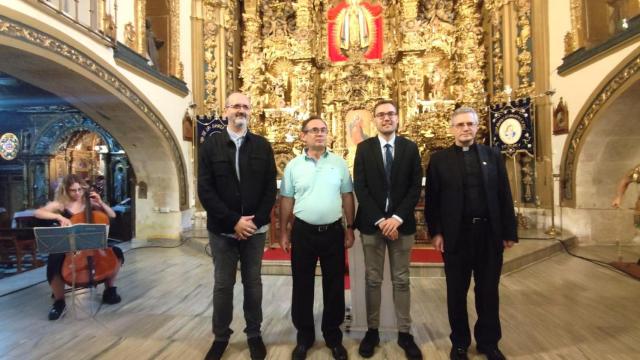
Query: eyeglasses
(316,131)
(462,125)
(76,190)
(390,114)
(239,106)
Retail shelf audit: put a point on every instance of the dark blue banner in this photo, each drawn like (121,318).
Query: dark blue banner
(208,125)
(512,127)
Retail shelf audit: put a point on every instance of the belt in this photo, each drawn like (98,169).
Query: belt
(318,228)
(476,220)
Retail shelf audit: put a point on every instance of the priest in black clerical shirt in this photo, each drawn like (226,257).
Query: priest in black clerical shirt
(470,218)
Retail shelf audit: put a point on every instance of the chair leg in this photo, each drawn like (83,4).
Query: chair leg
(19,258)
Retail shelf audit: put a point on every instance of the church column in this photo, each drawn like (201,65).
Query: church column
(219,29)
(544,105)
(303,90)
(197,55)
(408,13)
(469,69)
(251,70)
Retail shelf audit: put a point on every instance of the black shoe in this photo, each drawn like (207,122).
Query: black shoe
(110,296)
(492,353)
(458,353)
(338,352)
(300,352)
(411,350)
(57,310)
(369,343)
(256,348)
(217,349)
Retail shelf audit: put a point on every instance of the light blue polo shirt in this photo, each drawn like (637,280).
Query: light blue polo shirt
(317,187)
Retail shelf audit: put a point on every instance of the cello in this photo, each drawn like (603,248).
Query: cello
(92,267)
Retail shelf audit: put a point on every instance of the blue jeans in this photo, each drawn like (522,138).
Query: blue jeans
(226,252)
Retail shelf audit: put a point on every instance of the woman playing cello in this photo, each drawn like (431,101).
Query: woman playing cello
(69,200)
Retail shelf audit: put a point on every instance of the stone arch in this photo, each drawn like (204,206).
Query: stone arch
(59,64)
(611,89)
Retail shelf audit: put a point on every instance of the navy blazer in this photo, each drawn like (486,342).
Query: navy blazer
(370,184)
(444,196)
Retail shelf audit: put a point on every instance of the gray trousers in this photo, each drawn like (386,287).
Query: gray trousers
(226,253)
(374,247)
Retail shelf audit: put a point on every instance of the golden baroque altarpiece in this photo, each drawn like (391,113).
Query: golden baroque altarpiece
(338,58)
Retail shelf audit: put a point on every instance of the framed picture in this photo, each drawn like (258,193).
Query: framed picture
(561,118)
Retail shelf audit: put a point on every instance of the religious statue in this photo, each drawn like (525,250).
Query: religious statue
(631,176)
(437,83)
(119,184)
(153,45)
(354,26)
(354,32)
(39,185)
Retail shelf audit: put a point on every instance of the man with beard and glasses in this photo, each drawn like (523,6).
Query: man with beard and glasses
(316,189)
(237,188)
(387,181)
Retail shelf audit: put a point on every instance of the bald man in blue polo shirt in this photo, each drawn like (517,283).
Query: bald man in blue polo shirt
(317,189)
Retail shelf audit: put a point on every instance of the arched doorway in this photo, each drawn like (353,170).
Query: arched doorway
(78,145)
(94,87)
(600,149)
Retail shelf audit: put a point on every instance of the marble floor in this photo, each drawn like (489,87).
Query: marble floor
(559,308)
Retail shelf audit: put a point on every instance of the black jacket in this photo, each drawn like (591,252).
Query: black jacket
(444,196)
(224,197)
(371,188)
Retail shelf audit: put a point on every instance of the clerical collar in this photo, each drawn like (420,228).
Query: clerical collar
(465,148)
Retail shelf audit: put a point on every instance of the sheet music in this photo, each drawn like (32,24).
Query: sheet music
(54,240)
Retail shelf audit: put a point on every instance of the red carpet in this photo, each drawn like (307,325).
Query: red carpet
(418,255)
(630,268)
(426,255)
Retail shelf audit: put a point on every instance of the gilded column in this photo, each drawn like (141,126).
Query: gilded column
(303,89)
(469,64)
(197,55)
(232,41)
(496,25)
(140,7)
(251,68)
(175,66)
(577,23)
(305,29)
(214,55)
(523,43)
(409,24)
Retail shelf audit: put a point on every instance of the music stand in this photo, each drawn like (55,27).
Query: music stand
(56,240)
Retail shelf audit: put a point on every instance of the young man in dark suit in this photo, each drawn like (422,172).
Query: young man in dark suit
(470,218)
(387,181)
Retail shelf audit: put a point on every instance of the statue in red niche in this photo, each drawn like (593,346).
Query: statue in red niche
(354,26)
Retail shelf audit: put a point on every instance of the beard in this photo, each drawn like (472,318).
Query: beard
(240,121)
